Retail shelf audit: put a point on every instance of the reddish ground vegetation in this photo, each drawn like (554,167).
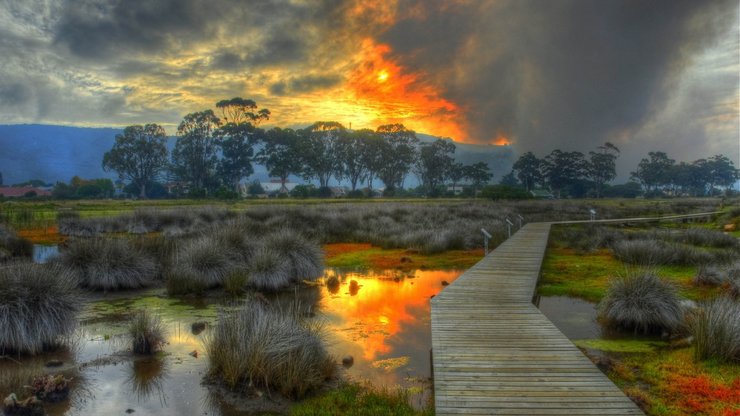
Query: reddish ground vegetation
(337,249)
(47,235)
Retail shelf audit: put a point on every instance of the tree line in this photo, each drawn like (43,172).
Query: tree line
(573,174)
(214,153)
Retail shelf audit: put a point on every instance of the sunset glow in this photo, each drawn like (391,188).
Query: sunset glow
(393,94)
(534,77)
(501,140)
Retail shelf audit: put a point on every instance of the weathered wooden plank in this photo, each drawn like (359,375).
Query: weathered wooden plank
(495,353)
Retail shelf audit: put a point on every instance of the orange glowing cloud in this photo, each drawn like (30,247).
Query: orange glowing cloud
(501,140)
(397,95)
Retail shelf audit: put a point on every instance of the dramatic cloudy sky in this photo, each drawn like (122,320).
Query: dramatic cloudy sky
(539,75)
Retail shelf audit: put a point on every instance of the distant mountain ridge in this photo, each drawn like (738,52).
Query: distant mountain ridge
(57,153)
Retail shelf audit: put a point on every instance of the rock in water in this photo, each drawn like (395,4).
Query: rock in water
(348,360)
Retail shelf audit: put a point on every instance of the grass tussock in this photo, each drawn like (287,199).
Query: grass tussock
(269,270)
(642,252)
(235,283)
(642,303)
(38,307)
(108,264)
(261,345)
(305,258)
(200,264)
(709,238)
(716,330)
(12,246)
(653,252)
(147,332)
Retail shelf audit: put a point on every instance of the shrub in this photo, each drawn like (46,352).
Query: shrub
(108,264)
(643,303)
(716,330)
(305,258)
(264,346)
(38,307)
(147,332)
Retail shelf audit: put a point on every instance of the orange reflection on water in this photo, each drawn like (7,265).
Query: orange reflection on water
(385,304)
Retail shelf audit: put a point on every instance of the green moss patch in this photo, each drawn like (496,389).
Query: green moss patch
(620,345)
(358,400)
(566,272)
(365,257)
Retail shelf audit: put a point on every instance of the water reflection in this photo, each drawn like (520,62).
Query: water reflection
(147,377)
(43,253)
(575,318)
(383,320)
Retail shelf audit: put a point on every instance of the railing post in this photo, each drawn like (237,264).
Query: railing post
(486,236)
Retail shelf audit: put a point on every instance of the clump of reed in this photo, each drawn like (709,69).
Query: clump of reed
(587,238)
(716,330)
(12,246)
(708,238)
(38,307)
(642,302)
(147,332)
(645,252)
(269,270)
(108,264)
(709,276)
(142,221)
(264,346)
(304,257)
(727,276)
(200,264)
(652,252)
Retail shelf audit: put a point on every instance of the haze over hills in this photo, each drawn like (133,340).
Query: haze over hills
(57,153)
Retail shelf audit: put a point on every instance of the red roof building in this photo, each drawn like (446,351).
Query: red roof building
(17,192)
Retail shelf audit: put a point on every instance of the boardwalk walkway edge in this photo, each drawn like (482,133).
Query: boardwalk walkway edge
(495,353)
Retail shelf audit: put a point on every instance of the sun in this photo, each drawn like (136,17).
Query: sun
(383,75)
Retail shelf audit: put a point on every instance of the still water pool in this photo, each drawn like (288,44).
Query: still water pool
(381,319)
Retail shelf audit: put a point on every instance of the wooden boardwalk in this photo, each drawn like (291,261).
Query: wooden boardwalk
(494,353)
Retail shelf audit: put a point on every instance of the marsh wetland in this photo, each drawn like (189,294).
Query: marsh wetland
(351,285)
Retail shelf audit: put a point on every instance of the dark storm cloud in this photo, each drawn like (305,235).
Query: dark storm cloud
(278,48)
(14,94)
(100,29)
(305,84)
(567,73)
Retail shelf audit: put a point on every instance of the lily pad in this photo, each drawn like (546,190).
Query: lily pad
(390,364)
